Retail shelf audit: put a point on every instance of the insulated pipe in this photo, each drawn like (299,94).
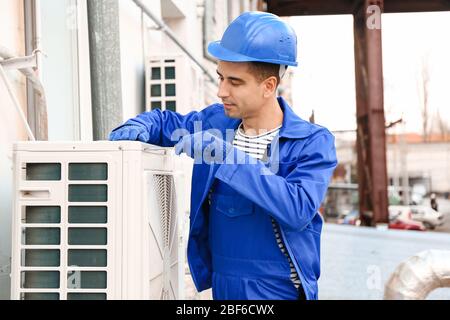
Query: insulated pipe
(38,34)
(37,105)
(416,277)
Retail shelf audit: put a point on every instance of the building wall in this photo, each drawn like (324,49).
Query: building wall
(186,29)
(11,129)
(423,160)
(429,160)
(135,40)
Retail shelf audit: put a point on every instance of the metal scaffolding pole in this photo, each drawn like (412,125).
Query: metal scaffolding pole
(371,136)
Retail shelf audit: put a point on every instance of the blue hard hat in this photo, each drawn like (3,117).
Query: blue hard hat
(257,36)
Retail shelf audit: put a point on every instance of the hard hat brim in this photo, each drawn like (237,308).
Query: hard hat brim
(219,52)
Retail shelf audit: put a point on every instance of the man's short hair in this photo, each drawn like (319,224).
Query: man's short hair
(263,70)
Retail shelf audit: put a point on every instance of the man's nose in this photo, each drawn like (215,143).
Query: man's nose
(223,91)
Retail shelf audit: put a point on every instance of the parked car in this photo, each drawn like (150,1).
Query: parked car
(406,225)
(428,216)
(351,218)
(400,217)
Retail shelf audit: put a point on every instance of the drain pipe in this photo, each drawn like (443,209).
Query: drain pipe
(37,107)
(415,278)
(163,27)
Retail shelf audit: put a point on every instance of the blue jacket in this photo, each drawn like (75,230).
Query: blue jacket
(291,189)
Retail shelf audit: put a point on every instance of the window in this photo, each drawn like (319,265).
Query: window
(65,73)
(162,84)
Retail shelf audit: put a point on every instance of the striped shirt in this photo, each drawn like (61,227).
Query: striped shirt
(256,146)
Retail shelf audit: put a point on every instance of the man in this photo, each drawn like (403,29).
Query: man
(433,202)
(254,224)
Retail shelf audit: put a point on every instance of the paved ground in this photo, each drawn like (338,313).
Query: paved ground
(357,261)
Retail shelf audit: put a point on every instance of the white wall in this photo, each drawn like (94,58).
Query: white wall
(424,159)
(12,37)
(132,46)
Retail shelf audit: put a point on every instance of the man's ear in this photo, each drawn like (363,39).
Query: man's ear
(270,86)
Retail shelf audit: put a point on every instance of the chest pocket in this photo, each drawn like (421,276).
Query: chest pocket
(232,206)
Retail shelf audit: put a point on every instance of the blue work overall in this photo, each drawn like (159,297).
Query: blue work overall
(246,260)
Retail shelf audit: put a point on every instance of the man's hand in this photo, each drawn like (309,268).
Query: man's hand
(203,147)
(129,132)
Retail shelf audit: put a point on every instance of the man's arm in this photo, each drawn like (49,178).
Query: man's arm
(160,126)
(292,200)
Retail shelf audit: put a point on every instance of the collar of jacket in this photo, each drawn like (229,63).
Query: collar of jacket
(293,127)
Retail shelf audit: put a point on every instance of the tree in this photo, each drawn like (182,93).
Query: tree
(424,91)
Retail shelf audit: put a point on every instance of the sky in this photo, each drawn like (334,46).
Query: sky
(325,78)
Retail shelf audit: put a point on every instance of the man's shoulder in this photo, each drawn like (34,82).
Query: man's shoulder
(310,131)
(315,136)
(318,130)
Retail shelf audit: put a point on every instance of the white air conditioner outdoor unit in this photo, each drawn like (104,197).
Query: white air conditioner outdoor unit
(96,220)
(173,82)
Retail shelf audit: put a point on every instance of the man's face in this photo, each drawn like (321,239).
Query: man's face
(239,90)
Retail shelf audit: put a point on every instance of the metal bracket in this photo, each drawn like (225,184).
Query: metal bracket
(20,63)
